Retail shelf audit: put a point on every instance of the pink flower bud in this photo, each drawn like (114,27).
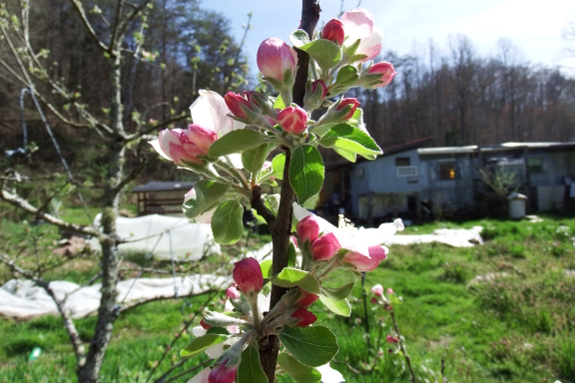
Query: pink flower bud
(377,290)
(275,58)
(345,102)
(222,374)
(391,339)
(232,292)
(307,299)
(373,300)
(366,263)
(386,71)
(236,103)
(248,275)
(205,326)
(183,146)
(325,247)
(333,31)
(305,317)
(390,291)
(308,229)
(293,119)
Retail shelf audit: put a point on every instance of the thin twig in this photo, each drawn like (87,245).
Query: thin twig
(407,357)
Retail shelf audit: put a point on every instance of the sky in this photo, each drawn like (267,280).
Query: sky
(535,27)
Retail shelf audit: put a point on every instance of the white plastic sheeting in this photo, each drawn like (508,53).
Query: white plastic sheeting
(163,235)
(451,237)
(23,300)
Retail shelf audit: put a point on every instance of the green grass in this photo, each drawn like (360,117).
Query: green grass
(518,326)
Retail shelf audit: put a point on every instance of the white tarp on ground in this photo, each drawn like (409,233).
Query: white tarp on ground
(451,237)
(188,241)
(21,299)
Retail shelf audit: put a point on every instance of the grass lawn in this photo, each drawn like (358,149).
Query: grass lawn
(501,312)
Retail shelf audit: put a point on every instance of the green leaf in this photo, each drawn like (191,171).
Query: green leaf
(292,255)
(227,225)
(326,53)
(348,140)
(299,372)
(278,164)
(208,195)
(338,307)
(236,141)
(292,277)
(306,172)
(279,102)
(339,293)
(299,38)
(267,268)
(254,159)
(250,369)
(312,346)
(346,76)
(201,344)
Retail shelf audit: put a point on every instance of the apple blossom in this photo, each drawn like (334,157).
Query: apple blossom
(385,70)
(238,105)
(275,58)
(185,146)
(305,317)
(307,299)
(358,25)
(363,263)
(325,247)
(202,376)
(293,119)
(343,106)
(223,374)
(232,292)
(307,229)
(392,339)
(377,290)
(333,31)
(248,275)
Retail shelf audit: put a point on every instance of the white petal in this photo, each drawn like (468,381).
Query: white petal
(156,145)
(210,111)
(216,351)
(329,375)
(202,376)
(236,160)
(205,217)
(199,331)
(372,45)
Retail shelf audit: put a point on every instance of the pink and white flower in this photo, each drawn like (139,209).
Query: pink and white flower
(274,58)
(293,119)
(364,245)
(358,25)
(210,121)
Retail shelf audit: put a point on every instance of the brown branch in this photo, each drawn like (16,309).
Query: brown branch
(123,26)
(80,9)
(68,322)
(281,230)
(132,176)
(406,356)
(23,204)
(258,203)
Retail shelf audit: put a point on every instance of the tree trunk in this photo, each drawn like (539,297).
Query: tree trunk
(108,310)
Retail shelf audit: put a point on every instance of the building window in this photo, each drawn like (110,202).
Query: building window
(447,171)
(535,165)
(406,171)
(402,161)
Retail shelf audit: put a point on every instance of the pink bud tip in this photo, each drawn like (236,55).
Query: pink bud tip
(305,316)
(307,299)
(293,119)
(248,275)
(392,339)
(205,326)
(333,31)
(236,103)
(386,71)
(276,57)
(232,292)
(308,229)
(222,374)
(325,247)
(348,101)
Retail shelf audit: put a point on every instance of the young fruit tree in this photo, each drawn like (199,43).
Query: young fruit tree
(267,327)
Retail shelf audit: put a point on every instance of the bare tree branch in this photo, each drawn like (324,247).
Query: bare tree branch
(68,322)
(20,202)
(80,8)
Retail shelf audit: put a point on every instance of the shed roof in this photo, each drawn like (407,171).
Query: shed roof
(163,186)
(494,148)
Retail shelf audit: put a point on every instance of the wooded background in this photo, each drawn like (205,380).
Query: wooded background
(455,96)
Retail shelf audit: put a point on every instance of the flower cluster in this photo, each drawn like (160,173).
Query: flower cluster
(228,144)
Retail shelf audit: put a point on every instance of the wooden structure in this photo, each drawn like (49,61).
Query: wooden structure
(161,197)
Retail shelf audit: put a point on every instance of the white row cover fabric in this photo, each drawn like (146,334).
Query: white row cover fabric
(22,299)
(451,237)
(186,240)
